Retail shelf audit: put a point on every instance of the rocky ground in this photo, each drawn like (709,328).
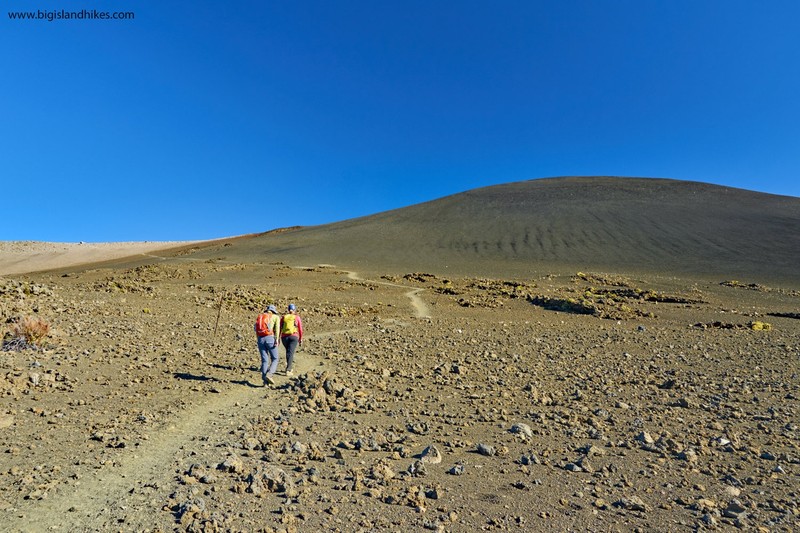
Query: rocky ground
(566,401)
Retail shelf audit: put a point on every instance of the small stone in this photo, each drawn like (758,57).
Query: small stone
(600,503)
(683,402)
(668,384)
(709,520)
(522,429)
(457,470)
(299,447)
(593,450)
(735,509)
(382,472)
(634,503)
(417,468)
(585,464)
(485,449)
(704,504)
(689,456)
(232,464)
(431,455)
(733,492)
(530,459)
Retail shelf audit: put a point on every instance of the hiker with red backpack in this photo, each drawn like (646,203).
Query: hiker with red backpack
(291,336)
(267,324)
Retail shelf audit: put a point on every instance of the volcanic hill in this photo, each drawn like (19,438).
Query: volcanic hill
(618,224)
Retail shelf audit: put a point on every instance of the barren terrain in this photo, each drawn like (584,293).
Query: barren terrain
(22,257)
(542,415)
(546,399)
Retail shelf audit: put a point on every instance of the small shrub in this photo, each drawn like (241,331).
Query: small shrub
(28,332)
(751,286)
(760,326)
(566,305)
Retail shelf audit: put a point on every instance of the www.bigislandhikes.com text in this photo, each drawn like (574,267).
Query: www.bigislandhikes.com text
(53,15)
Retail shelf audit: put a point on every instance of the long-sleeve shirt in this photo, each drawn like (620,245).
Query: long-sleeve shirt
(298,324)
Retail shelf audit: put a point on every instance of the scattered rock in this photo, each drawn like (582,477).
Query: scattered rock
(232,464)
(486,450)
(522,429)
(431,455)
(456,470)
(632,503)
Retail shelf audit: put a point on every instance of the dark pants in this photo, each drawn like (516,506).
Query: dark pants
(290,343)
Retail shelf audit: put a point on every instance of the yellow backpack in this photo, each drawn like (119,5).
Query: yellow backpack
(288,326)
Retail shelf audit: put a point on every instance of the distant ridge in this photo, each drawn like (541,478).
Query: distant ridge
(598,223)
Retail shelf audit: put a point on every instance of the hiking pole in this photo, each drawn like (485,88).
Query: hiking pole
(216,325)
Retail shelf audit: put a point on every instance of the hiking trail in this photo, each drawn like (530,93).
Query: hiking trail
(133,478)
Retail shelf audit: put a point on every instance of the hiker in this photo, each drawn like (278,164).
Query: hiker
(267,324)
(291,336)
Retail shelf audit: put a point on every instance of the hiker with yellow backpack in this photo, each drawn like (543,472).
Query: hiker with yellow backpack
(267,328)
(291,336)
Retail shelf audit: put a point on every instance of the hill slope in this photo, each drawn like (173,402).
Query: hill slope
(621,224)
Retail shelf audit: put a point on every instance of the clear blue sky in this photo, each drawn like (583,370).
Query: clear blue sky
(204,119)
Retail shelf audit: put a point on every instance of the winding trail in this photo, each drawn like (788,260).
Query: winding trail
(115,489)
(421,309)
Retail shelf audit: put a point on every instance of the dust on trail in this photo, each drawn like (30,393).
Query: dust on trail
(94,501)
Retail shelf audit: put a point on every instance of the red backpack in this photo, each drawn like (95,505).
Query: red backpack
(262,325)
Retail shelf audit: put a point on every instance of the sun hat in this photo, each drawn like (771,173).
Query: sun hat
(272,309)
(292,307)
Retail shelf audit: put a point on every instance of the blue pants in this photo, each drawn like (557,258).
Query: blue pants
(268,349)
(290,343)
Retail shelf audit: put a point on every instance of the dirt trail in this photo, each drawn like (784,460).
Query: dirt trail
(93,500)
(421,309)
(103,496)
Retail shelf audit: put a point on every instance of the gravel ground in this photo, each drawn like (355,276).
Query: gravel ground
(565,401)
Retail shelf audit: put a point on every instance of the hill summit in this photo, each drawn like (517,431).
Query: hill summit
(620,224)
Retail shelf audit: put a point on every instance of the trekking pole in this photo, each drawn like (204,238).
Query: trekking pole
(216,325)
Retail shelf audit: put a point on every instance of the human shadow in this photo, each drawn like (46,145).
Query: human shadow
(193,377)
(247,383)
(786,315)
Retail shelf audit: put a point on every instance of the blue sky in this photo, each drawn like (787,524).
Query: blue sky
(207,119)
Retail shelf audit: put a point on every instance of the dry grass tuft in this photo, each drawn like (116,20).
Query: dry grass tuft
(28,332)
